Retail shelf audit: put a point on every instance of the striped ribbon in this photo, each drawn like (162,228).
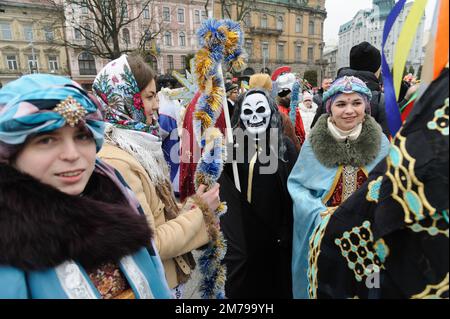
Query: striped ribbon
(405,41)
(392,110)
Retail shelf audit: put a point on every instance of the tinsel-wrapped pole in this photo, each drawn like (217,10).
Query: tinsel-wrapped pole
(221,43)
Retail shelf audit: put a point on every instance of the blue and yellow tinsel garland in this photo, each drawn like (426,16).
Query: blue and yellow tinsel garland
(221,42)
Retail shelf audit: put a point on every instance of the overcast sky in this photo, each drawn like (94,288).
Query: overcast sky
(342,11)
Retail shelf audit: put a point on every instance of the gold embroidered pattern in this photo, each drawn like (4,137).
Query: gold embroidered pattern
(71,111)
(314,252)
(358,249)
(440,121)
(407,189)
(434,226)
(373,193)
(434,291)
(350,181)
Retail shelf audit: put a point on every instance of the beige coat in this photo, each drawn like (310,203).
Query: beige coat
(173,238)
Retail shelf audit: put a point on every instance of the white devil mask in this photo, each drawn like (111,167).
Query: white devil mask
(256,113)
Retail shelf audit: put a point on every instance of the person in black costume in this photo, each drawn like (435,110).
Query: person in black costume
(258,223)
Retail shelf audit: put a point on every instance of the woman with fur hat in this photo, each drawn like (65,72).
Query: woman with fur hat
(126,88)
(343,147)
(70,227)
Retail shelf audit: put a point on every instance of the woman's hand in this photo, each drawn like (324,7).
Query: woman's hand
(211,197)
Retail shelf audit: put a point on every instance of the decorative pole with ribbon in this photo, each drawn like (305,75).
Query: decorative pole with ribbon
(221,42)
(402,48)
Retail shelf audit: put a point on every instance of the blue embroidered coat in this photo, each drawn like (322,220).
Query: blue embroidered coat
(310,184)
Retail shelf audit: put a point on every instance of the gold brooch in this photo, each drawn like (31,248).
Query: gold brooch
(71,111)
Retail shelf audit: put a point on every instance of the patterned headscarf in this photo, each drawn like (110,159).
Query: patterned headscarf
(347,84)
(118,92)
(41,103)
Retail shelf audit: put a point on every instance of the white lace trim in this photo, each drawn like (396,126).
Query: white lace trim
(144,147)
(73,282)
(137,277)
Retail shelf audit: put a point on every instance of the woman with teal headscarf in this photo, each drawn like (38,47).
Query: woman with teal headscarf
(70,227)
(343,147)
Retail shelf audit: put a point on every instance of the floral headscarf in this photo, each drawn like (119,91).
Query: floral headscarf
(347,84)
(117,89)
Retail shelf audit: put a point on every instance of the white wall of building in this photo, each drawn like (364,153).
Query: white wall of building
(366,26)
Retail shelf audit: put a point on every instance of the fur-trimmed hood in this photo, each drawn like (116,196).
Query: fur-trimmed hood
(41,227)
(358,153)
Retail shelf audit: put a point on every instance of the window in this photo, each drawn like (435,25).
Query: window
(311,28)
(126,36)
(49,35)
(53,63)
(181,15)
(299,25)
(249,48)
(170,62)
(86,64)
(183,62)
(280,23)
(11,60)
(298,53)
(280,52)
(168,39)
(146,12)
(196,16)
(33,63)
(124,7)
(5,29)
(78,35)
(182,39)
(248,20)
(310,55)
(88,35)
(28,32)
(264,21)
(265,50)
(84,8)
(204,16)
(166,14)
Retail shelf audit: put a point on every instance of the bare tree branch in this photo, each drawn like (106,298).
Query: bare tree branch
(101,24)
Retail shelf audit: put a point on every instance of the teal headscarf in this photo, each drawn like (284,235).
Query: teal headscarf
(29,105)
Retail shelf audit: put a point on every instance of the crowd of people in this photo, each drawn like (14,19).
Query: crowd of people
(93,204)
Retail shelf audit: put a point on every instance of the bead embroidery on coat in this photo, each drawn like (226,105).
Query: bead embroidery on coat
(314,252)
(440,121)
(373,193)
(407,189)
(357,247)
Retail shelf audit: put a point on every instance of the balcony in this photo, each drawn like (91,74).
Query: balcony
(265,31)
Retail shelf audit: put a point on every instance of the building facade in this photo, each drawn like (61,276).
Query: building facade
(29,41)
(178,39)
(330,55)
(283,32)
(368,25)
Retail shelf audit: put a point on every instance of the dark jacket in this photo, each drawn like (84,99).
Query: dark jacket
(258,234)
(377,104)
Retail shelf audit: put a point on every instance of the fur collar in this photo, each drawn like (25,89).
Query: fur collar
(41,227)
(358,153)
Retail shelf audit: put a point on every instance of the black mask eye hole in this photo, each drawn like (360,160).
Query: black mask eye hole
(261,109)
(248,112)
